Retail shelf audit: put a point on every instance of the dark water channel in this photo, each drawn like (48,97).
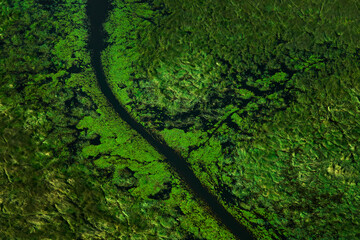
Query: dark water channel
(97,12)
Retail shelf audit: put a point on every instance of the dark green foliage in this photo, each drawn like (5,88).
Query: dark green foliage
(205,55)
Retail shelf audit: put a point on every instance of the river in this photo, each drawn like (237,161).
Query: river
(97,12)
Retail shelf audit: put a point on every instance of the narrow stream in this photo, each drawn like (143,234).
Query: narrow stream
(97,12)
